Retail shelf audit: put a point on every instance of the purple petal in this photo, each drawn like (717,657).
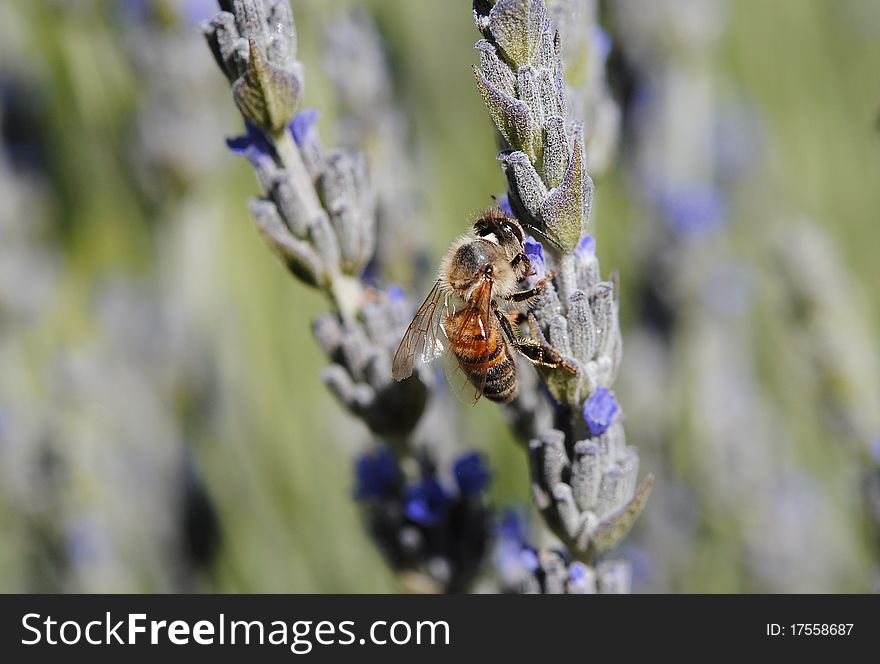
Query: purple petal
(599,410)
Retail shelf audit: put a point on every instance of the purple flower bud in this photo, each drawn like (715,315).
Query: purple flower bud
(599,410)
(586,248)
(511,528)
(535,251)
(196,11)
(471,474)
(377,475)
(426,502)
(529,559)
(577,572)
(875,450)
(602,41)
(254,145)
(303,124)
(136,11)
(395,293)
(503,203)
(693,210)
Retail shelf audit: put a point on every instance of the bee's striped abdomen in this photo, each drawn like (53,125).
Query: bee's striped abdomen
(492,361)
(501,384)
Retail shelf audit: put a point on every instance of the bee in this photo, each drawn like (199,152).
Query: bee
(473,310)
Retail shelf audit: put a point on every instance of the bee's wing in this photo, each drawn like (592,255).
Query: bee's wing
(470,332)
(420,343)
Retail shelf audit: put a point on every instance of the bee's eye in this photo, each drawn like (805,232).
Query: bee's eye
(514,230)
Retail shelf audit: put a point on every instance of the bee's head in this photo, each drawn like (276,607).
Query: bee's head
(496,227)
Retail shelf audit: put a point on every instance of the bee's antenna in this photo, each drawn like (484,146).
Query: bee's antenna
(541,233)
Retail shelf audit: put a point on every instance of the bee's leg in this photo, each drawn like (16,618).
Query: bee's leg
(537,352)
(544,355)
(533,293)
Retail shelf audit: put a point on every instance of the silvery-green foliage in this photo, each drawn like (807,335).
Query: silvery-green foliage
(584,476)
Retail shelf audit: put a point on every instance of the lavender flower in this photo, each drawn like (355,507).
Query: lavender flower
(302,124)
(524,569)
(535,251)
(471,474)
(585,249)
(253,145)
(693,210)
(599,411)
(584,478)
(318,214)
(424,526)
(585,47)
(427,502)
(378,475)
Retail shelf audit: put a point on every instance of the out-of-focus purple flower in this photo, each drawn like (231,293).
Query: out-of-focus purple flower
(875,450)
(599,410)
(586,248)
(512,527)
(528,558)
(196,11)
(535,251)
(135,11)
(641,567)
(603,41)
(396,293)
(370,273)
(254,145)
(426,502)
(471,474)
(577,572)
(503,203)
(377,475)
(86,541)
(693,210)
(303,124)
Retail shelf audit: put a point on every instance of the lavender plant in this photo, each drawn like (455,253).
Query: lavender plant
(824,309)
(585,47)
(584,475)
(100,491)
(694,150)
(318,215)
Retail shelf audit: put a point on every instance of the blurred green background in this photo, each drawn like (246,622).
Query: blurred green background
(119,190)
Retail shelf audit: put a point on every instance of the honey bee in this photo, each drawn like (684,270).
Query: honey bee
(480,272)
